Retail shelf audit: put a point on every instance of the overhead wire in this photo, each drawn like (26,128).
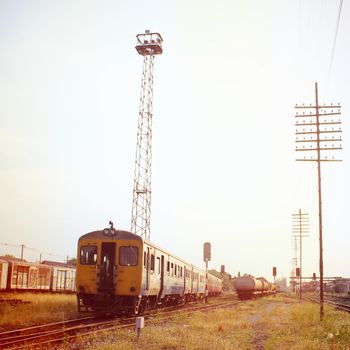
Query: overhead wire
(32,249)
(334,44)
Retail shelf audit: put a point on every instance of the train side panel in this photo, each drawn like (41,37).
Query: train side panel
(28,276)
(214,285)
(63,279)
(4,266)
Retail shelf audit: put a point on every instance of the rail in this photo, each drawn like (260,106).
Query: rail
(44,335)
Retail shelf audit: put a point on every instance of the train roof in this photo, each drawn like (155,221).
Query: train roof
(111,234)
(57,264)
(11,258)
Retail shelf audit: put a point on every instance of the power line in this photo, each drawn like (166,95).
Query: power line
(334,43)
(22,246)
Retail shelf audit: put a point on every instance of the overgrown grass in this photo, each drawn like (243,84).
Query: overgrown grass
(299,327)
(268,323)
(43,308)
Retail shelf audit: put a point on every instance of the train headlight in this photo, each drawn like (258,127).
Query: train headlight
(132,289)
(110,232)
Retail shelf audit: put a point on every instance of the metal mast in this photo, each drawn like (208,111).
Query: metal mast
(148,45)
(318,132)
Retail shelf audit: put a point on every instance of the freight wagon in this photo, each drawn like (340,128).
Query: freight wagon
(63,276)
(248,286)
(28,276)
(20,275)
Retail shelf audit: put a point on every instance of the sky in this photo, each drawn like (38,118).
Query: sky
(223,167)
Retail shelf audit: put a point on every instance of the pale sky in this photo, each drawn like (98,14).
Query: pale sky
(224,167)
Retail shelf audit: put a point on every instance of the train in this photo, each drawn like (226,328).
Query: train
(247,286)
(47,276)
(119,272)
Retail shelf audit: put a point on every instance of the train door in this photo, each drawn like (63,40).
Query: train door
(107,266)
(161,276)
(185,276)
(147,269)
(22,277)
(191,277)
(61,279)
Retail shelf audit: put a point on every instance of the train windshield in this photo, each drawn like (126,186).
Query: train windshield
(128,256)
(88,255)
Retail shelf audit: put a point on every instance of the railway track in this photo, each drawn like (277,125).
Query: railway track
(66,331)
(327,300)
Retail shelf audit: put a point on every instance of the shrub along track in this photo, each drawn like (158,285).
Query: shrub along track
(65,331)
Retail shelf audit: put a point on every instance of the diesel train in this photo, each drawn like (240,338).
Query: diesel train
(119,272)
(248,286)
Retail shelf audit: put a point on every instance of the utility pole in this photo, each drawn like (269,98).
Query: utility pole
(22,251)
(148,45)
(316,131)
(294,263)
(300,226)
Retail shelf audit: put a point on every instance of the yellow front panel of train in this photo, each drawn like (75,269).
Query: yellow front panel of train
(129,272)
(106,264)
(87,266)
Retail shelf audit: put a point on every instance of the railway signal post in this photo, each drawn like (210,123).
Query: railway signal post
(148,45)
(206,258)
(274,274)
(317,132)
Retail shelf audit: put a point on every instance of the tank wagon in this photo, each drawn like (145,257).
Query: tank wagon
(248,286)
(117,271)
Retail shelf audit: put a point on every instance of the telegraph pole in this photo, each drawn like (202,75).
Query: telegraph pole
(294,262)
(148,45)
(317,132)
(300,226)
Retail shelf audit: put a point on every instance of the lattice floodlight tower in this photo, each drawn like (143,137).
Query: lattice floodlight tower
(148,45)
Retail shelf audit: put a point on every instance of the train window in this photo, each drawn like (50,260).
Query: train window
(175,270)
(152,262)
(172,269)
(88,255)
(128,256)
(144,259)
(168,266)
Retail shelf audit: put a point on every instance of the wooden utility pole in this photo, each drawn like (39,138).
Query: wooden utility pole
(317,132)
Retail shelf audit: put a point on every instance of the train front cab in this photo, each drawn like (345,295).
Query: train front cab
(109,272)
